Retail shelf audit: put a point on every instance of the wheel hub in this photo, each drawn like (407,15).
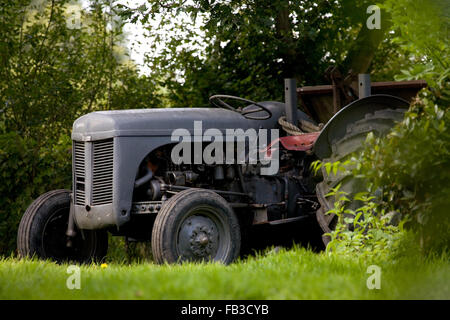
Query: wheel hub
(202,239)
(198,238)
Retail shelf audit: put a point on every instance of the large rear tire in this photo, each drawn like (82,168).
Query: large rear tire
(196,225)
(42,232)
(379,123)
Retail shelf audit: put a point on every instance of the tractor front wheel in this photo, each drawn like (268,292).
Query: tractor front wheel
(196,225)
(42,232)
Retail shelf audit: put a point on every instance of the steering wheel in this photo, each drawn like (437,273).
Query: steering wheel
(217,101)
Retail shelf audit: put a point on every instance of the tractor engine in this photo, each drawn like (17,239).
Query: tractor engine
(284,197)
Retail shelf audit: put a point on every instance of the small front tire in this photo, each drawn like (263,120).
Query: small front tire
(196,225)
(42,232)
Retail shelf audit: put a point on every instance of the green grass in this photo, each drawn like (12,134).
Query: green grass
(289,274)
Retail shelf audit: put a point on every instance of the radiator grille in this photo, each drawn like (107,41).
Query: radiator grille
(79,172)
(102,172)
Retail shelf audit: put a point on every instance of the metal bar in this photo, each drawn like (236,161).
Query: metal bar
(290,94)
(239,205)
(255,205)
(364,86)
(385,85)
(281,221)
(70,232)
(231,193)
(336,97)
(241,178)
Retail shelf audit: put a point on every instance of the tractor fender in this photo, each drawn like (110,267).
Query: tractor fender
(336,127)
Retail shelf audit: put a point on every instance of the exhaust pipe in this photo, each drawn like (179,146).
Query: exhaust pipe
(290,98)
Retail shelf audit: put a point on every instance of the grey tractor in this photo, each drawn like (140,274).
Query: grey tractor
(126,183)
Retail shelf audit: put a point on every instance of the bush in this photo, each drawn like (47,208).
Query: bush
(28,170)
(412,167)
(409,170)
(367,231)
(407,175)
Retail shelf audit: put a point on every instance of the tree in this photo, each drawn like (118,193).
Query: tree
(247,47)
(57,62)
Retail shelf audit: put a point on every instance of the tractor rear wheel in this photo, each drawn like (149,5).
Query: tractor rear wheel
(42,232)
(196,225)
(379,123)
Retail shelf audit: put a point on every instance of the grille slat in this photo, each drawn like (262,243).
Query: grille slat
(105,168)
(99,190)
(102,172)
(79,172)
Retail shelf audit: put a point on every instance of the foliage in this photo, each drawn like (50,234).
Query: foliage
(407,173)
(26,172)
(412,168)
(54,67)
(422,31)
(367,231)
(246,48)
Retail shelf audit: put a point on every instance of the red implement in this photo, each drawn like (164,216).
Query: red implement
(302,142)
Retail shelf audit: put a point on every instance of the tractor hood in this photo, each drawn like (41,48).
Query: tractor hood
(162,122)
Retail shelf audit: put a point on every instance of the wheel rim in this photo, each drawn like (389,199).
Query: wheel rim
(202,236)
(54,239)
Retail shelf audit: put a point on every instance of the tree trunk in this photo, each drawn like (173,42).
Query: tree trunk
(284,32)
(362,51)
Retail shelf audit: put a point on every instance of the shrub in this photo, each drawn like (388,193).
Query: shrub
(407,175)
(412,167)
